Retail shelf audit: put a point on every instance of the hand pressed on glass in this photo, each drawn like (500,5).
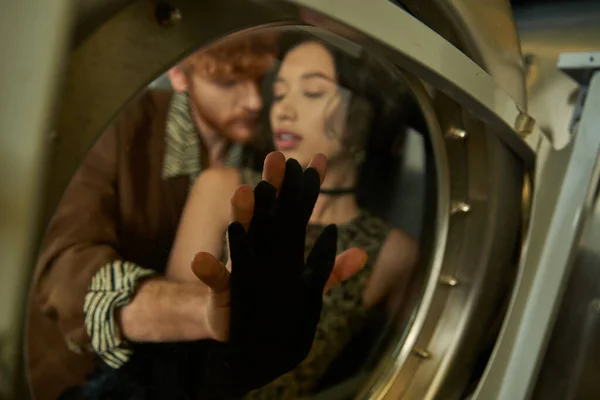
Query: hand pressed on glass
(217,277)
(273,296)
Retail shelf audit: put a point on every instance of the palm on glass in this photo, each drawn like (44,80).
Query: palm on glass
(273,296)
(285,300)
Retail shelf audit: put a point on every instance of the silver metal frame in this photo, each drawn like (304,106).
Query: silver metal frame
(478,202)
(569,367)
(562,202)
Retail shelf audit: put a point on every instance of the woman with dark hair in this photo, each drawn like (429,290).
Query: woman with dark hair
(322,100)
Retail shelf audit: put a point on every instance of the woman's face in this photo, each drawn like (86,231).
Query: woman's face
(307,115)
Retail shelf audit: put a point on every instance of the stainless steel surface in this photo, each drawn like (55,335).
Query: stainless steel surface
(487,31)
(449,280)
(421,353)
(458,134)
(33,38)
(561,204)
(456,318)
(90,14)
(569,369)
(482,29)
(460,208)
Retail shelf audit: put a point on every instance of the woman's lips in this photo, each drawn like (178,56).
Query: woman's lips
(286,140)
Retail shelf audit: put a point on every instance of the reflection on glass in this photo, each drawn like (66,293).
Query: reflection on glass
(155,191)
(327,101)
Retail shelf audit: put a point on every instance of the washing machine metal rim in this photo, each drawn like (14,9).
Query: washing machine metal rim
(485,147)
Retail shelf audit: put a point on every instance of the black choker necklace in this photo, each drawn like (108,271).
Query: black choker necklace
(338,191)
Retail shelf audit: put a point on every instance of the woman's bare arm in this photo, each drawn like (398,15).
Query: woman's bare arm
(203,222)
(392,269)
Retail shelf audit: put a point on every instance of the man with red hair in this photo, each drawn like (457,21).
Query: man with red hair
(98,284)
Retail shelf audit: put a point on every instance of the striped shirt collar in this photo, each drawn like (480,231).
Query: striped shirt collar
(182,143)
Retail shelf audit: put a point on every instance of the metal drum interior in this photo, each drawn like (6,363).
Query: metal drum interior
(476,170)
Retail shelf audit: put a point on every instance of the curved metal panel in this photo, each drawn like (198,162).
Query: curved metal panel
(484,176)
(561,204)
(90,14)
(570,366)
(488,33)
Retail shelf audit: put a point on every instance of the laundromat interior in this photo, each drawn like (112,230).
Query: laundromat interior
(462,141)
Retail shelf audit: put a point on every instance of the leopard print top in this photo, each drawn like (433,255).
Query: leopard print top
(342,314)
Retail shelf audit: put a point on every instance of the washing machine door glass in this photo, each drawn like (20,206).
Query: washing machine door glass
(427,159)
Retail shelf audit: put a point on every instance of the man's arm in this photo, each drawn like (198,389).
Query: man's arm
(81,246)
(80,239)
(165,311)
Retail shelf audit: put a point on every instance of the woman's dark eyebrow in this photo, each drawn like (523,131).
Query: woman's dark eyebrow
(309,75)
